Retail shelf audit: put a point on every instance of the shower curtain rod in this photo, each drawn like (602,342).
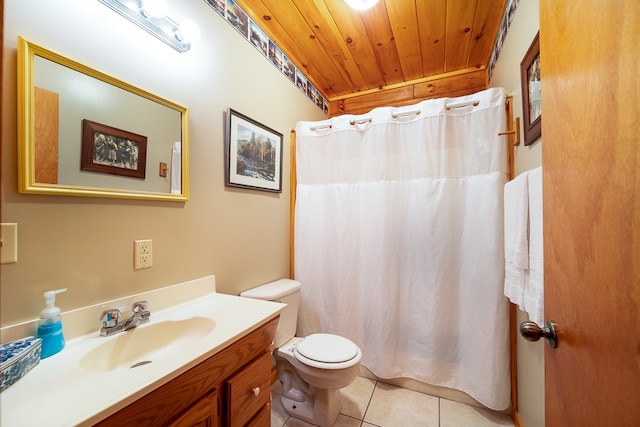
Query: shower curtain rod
(405,113)
(319,127)
(460,104)
(365,119)
(515,130)
(448,106)
(394,115)
(361,121)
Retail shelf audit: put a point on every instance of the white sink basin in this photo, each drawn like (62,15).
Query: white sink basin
(146,343)
(94,372)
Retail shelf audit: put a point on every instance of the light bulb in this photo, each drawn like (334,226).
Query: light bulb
(153,8)
(361,4)
(188,30)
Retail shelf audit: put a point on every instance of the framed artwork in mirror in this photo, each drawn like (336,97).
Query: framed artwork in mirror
(531,92)
(253,154)
(109,150)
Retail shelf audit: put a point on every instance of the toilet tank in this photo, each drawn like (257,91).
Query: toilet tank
(286,291)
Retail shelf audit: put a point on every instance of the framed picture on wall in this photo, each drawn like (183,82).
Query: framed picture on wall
(109,150)
(531,92)
(253,154)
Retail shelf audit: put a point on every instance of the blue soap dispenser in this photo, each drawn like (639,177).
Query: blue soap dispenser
(50,326)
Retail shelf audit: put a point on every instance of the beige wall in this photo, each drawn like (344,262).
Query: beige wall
(86,244)
(530,358)
(240,236)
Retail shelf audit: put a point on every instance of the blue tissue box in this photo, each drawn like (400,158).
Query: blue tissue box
(18,358)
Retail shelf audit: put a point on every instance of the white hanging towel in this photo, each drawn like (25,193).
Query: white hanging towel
(516,241)
(176,168)
(534,287)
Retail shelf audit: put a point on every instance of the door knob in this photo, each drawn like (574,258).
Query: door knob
(530,331)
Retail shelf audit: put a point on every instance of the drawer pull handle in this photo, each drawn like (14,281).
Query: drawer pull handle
(256,391)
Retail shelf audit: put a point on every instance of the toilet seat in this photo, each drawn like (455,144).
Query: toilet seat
(327,351)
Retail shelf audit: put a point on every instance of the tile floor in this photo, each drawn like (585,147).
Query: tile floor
(369,403)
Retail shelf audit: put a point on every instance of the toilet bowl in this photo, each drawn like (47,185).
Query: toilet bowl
(311,369)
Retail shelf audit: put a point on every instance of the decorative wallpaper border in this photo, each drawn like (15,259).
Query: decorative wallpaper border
(509,11)
(238,19)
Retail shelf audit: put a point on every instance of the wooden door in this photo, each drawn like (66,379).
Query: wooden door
(590,64)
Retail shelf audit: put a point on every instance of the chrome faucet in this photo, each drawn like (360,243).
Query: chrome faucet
(110,323)
(110,319)
(140,315)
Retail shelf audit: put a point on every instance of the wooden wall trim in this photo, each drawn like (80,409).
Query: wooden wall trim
(441,86)
(292,204)
(447,86)
(513,329)
(511,139)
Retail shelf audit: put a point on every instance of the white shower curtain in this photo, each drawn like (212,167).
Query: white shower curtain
(399,240)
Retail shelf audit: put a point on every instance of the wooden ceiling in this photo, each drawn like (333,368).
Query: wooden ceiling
(397,43)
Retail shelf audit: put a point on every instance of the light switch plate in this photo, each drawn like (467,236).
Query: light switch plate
(9,239)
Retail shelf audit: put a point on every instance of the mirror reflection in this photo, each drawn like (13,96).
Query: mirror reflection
(85,133)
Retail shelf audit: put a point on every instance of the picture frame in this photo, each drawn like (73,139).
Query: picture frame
(113,151)
(253,154)
(531,92)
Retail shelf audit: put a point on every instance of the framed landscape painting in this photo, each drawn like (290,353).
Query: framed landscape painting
(253,154)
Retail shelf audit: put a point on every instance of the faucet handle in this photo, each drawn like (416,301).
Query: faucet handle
(139,306)
(112,315)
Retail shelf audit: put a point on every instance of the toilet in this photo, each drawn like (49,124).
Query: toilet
(313,369)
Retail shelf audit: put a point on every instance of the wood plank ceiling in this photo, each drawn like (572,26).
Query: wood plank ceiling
(387,52)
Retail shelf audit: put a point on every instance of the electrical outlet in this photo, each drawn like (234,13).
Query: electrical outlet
(142,254)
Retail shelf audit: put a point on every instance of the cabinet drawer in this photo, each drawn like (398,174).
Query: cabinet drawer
(249,390)
(262,418)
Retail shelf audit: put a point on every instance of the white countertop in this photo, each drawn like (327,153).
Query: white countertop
(59,392)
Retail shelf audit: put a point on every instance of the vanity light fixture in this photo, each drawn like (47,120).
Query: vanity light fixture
(155,8)
(151,16)
(189,30)
(361,4)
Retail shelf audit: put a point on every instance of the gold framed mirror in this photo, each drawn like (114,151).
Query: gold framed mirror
(82,132)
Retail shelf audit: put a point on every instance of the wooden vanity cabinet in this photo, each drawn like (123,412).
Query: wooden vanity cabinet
(249,390)
(231,388)
(205,413)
